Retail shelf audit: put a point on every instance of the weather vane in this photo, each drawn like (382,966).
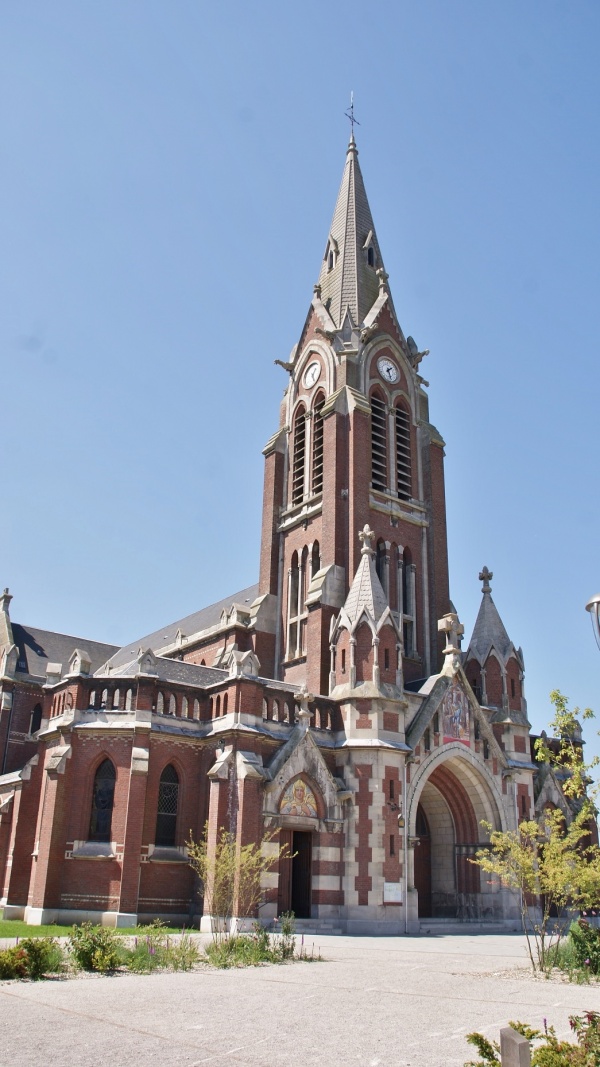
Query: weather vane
(350,113)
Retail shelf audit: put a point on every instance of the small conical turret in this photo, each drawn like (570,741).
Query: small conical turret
(494,666)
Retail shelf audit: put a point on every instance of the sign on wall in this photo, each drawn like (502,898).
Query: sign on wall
(392,892)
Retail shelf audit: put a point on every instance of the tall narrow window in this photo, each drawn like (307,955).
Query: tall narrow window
(299,456)
(408,604)
(315,561)
(102,802)
(378,444)
(168,797)
(317,447)
(403,463)
(293,588)
(36,719)
(302,613)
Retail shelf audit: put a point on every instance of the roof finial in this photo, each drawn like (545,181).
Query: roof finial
(366,535)
(485,577)
(353,121)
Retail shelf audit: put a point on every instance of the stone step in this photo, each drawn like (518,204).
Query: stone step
(481,926)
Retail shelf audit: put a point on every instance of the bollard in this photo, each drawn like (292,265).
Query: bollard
(514,1049)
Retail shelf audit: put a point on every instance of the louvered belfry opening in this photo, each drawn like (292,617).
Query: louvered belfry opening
(403,464)
(168,798)
(378,444)
(299,454)
(317,450)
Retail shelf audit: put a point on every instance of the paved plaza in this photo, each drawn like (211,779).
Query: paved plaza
(374,1002)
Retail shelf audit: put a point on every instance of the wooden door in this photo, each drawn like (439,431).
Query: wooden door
(301,874)
(423,865)
(284,894)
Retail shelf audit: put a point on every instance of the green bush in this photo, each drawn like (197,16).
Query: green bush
(585,940)
(181,955)
(44,956)
(33,958)
(547,1050)
(95,948)
(13,962)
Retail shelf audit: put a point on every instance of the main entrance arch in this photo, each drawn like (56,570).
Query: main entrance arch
(450,799)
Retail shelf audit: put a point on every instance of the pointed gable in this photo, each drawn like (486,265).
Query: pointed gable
(348,278)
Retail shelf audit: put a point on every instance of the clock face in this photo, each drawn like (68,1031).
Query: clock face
(312,374)
(388,370)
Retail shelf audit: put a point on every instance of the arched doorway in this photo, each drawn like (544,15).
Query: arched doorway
(451,805)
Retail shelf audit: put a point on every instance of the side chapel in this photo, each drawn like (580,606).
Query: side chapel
(331,703)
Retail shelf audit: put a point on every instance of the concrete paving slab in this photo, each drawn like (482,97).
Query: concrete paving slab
(374,1002)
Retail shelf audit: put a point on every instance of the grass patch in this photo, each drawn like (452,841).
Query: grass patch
(17,928)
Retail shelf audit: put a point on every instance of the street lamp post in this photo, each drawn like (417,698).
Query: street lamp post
(593,606)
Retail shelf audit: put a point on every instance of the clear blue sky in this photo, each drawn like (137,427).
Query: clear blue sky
(168,176)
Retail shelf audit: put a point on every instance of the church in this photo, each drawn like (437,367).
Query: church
(330,706)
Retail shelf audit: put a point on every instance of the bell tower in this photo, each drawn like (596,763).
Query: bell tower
(354,449)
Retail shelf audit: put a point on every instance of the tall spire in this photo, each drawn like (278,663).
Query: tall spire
(349,277)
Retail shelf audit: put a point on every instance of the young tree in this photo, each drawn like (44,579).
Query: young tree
(231,876)
(552,864)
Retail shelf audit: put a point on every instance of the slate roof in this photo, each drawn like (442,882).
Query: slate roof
(173,670)
(489,632)
(39,647)
(366,591)
(352,283)
(191,624)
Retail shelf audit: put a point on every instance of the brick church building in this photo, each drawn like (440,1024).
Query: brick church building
(331,703)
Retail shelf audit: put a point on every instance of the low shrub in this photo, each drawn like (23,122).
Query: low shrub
(32,958)
(96,948)
(44,956)
(183,954)
(585,940)
(251,950)
(546,1049)
(13,962)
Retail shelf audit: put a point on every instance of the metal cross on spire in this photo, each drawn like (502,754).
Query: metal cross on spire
(350,113)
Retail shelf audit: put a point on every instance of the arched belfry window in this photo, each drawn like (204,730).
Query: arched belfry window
(299,456)
(102,801)
(168,799)
(315,559)
(403,458)
(378,443)
(36,719)
(317,446)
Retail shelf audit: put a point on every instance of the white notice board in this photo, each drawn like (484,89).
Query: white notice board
(392,892)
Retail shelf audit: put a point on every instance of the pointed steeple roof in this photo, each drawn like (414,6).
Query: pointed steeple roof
(489,631)
(366,592)
(349,276)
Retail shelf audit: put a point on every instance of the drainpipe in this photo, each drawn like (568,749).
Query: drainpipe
(405,844)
